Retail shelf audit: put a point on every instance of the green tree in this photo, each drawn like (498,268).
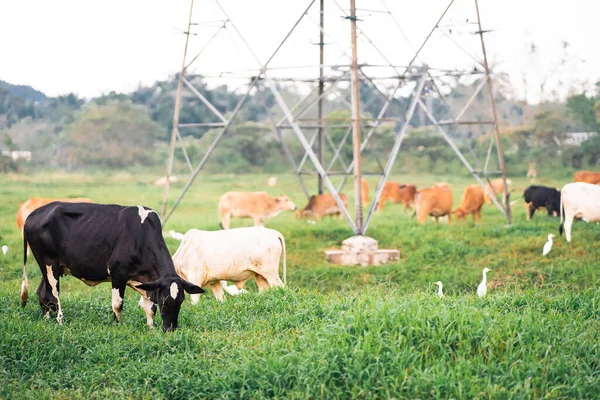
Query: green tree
(581,108)
(114,135)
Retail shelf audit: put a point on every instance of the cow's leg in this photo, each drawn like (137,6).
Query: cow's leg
(117,300)
(119,282)
(259,220)
(437,220)
(568,225)
(380,205)
(47,301)
(527,211)
(118,292)
(261,282)
(225,219)
(52,278)
(532,211)
(217,290)
(149,308)
(194,298)
(273,279)
(240,284)
(450,218)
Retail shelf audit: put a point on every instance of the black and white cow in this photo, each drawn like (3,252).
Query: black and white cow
(104,243)
(541,196)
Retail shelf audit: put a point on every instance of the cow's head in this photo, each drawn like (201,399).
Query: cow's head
(283,203)
(460,213)
(167,292)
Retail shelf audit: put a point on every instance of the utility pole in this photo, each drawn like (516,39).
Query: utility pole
(320,139)
(495,114)
(356,122)
(175,129)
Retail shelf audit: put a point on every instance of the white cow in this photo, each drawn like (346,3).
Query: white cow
(208,257)
(579,200)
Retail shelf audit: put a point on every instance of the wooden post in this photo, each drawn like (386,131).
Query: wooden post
(175,129)
(356,122)
(321,141)
(495,114)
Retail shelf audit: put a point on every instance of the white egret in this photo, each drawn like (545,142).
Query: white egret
(440,293)
(482,288)
(548,245)
(232,289)
(176,235)
(4,249)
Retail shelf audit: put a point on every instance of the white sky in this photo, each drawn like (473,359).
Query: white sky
(91,47)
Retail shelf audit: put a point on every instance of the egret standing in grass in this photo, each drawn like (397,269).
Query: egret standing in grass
(4,249)
(440,293)
(548,245)
(482,288)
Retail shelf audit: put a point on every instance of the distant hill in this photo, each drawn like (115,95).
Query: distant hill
(24,91)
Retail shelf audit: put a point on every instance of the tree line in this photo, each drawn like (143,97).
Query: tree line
(125,130)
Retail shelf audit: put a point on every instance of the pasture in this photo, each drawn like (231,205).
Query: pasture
(334,332)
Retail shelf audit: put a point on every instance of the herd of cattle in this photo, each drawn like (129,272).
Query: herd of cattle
(124,245)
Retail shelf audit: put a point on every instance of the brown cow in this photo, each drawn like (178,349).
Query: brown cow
(436,201)
(256,205)
(320,205)
(471,203)
(587,177)
(35,202)
(498,185)
(397,193)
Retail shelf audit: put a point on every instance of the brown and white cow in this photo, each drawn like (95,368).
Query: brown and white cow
(471,203)
(587,177)
(578,200)
(498,186)
(35,202)
(397,193)
(436,201)
(320,205)
(206,258)
(256,205)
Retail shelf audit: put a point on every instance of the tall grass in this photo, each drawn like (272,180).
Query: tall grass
(334,332)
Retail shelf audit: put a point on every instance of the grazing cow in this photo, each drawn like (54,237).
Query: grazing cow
(498,186)
(471,203)
(587,177)
(104,243)
(256,205)
(436,201)
(35,202)
(320,205)
(541,197)
(397,193)
(209,257)
(578,200)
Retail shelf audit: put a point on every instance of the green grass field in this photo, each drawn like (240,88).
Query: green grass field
(334,332)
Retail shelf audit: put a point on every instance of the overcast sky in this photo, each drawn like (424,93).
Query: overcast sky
(93,47)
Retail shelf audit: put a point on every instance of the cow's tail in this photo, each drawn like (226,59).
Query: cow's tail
(282,240)
(562,214)
(25,283)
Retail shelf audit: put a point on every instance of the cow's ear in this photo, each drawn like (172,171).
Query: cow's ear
(191,288)
(148,286)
